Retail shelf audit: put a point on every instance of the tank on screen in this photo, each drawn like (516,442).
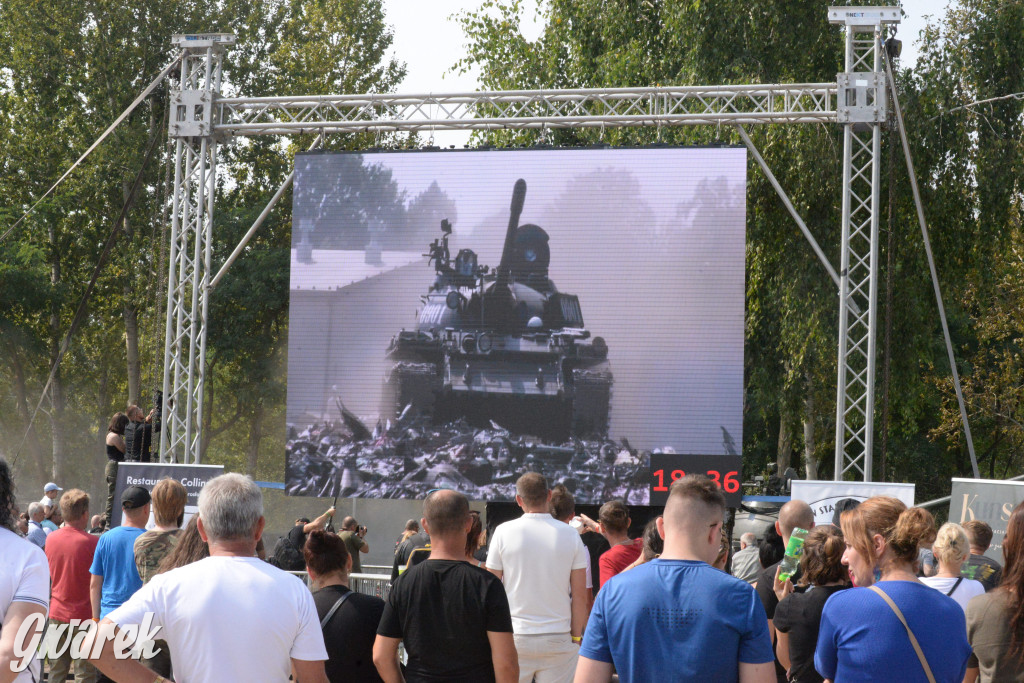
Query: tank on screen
(501,345)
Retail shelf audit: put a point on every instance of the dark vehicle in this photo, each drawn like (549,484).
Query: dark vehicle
(501,345)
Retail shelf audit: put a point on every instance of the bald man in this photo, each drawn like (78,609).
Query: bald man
(796,514)
(677,613)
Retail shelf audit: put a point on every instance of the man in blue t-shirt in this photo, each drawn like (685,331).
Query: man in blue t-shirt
(115,577)
(677,618)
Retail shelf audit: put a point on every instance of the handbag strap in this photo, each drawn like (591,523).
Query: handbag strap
(334,608)
(953,589)
(913,639)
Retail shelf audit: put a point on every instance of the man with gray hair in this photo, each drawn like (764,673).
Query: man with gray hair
(36,532)
(231,616)
(746,564)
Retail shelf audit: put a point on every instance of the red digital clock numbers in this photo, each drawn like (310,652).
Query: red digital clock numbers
(730,482)
(724,470)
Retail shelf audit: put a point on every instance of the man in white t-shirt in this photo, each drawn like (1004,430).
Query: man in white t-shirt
(231,616)
(24,589)
(543,564)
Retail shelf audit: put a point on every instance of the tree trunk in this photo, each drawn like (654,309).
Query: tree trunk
(57,398)
(131,335)
(102,401)
(32,445)
(255,435)
(785,447)
(810,463)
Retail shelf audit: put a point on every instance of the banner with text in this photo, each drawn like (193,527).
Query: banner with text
(988,500)
(147,474)
(822,496)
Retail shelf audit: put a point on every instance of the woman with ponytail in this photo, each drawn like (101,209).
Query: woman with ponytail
(798,615)
(891,627)
(349,620)
(995,620)
(951,549)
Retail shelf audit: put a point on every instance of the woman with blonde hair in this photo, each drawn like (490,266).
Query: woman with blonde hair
(893,628)
(951,549)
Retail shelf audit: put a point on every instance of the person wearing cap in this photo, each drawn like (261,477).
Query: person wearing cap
(115,578)
(50,493)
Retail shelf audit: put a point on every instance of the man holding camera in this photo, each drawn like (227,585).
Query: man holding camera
(352,534)
(138,434)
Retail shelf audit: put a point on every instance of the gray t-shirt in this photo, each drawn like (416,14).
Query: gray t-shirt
(988,631)
(746,564)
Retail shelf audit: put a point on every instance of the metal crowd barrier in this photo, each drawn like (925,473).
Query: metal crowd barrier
(378,585)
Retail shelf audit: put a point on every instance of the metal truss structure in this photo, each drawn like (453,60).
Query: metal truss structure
(195,182)
(201,118)
(522,109)
(863,102)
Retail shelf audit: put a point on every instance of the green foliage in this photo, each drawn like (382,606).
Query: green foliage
(968,163)
(68,69)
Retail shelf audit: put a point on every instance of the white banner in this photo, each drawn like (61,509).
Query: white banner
(823,495)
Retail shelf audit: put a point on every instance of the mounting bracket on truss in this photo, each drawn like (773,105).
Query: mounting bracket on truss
(192,110)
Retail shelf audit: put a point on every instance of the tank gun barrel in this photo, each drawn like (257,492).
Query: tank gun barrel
(515,211)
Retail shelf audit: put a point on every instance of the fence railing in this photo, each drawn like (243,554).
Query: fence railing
(378,585)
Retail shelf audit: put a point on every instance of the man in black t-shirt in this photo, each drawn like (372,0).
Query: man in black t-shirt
(288,551)
(979,566)
(404,551)
(138,435)
(453,617)
(796,514)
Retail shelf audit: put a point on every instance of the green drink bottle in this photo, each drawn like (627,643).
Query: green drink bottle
(794,549)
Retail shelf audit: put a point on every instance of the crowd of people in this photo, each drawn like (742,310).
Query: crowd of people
(880,595)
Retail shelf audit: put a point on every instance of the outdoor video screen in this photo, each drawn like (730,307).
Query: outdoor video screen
(461,317)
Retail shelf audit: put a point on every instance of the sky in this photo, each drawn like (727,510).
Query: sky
(430,41)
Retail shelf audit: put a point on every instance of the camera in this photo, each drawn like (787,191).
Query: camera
(361,530)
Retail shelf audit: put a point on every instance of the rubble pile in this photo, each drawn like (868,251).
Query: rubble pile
(411,456)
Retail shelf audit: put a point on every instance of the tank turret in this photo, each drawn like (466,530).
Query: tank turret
(501,345)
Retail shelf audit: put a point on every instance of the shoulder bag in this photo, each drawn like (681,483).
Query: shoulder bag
(913,639)
(334,608)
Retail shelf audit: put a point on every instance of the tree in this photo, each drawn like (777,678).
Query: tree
(968,163)
(69,70)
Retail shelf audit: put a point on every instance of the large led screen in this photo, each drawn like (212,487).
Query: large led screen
(461,317)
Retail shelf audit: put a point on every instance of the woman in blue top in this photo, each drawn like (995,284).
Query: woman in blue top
(861,637)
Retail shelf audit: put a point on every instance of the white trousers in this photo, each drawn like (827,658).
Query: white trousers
(546,658)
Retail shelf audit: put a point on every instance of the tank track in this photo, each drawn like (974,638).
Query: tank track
(591,405)
(415,383)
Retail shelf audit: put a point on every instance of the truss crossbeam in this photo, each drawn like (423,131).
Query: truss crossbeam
(523,109)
